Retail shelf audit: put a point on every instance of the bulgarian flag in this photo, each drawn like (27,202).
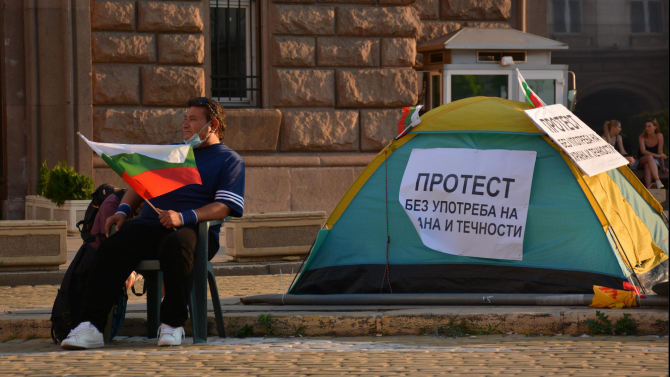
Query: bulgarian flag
(531,97)
(151,170)
(410,118)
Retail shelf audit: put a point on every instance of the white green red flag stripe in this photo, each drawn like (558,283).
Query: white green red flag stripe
(151,170)
(531,97)
(410,118)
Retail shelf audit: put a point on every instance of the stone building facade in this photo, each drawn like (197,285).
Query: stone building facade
(619,53)
(332,75)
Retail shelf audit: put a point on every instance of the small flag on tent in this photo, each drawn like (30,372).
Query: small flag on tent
(410,118)
(531,97)
(151,170)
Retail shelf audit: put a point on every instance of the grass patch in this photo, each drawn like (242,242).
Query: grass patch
(245,331)
(603,325)
(268,323)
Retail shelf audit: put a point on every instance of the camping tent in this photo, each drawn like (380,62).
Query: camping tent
(580,231)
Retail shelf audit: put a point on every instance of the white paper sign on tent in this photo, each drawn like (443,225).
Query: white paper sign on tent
(469,202)
(586,148)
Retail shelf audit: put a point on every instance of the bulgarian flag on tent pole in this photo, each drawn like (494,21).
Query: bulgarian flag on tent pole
(410,118)
(151,170)
(531,97)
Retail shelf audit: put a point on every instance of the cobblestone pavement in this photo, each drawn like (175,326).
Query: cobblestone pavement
(27,296)
(506,355)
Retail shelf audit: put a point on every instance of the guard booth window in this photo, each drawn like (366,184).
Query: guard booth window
(464,86)
(235,52)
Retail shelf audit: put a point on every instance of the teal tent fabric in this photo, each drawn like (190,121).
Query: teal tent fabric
(562,230)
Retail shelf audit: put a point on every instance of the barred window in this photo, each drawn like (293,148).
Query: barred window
(235,52)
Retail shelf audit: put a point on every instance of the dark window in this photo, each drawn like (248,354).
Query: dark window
(567,16)
(464,86)
(646,16)
(655,16)
(575,16)
(637,24)
(436,58)
(496,56)
(560,25)
(234,51)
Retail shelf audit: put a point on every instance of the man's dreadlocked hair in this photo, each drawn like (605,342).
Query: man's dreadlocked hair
(214,110)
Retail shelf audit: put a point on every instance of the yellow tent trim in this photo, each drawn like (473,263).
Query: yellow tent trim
(641,189)
(633,238)
(632,234)
(577,173)
(363,178)
(479,114)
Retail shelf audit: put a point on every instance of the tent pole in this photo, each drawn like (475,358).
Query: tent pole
(511,299)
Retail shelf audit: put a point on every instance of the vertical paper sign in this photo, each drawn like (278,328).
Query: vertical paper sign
(586,148)
(469,202)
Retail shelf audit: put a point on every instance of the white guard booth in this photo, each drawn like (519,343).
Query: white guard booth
(482,62)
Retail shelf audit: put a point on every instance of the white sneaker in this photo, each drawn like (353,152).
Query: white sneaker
(659,185)
(83,336)
(170,336)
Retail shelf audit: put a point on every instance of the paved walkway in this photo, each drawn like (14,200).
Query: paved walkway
(511,355)
(42,296)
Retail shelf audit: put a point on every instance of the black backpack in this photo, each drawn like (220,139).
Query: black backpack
(98,196)
(66,311)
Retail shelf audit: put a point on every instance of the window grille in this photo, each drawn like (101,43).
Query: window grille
(235,52)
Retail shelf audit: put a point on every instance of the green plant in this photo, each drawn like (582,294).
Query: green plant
(245,331)
(625,325)
(299,330)
(64,183)
(603,325)
(43,179)
(267,322)
(465,328)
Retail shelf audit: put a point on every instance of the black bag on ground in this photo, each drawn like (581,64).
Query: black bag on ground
(66,311)
(98,196)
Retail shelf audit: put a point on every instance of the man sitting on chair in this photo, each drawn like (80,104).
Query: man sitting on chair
(169,236)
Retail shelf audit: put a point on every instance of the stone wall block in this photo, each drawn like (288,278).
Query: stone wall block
(315,20)
(396,2)
(267,190)
(112,15)
(171,86)
(347,52)
(371,2)
(137,126)
(293,51)
(436,29)
(488,24)
(319,130)
(115,85)
(378,128)
(303,87)
(252,129)
(475,9)
(427,9)
(170,16)
(398,52)
(378,21)
(181,49)
(319,189)
(376,87)
(122,48)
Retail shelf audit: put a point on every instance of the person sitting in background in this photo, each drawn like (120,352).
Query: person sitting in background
(613,136)
(651,154)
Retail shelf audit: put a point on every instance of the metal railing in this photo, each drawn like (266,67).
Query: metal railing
(235,52)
